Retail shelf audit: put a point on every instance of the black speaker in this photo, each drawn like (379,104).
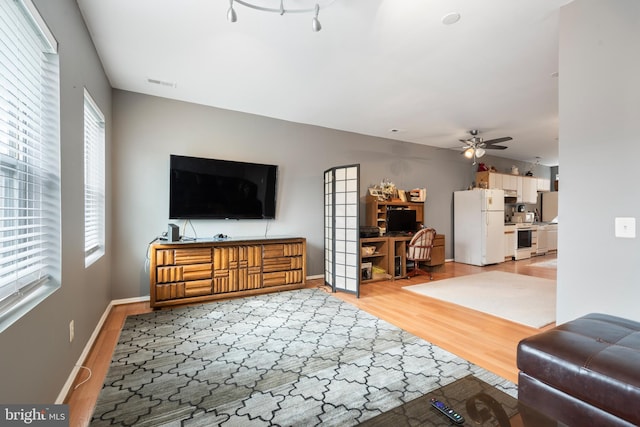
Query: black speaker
(173,233)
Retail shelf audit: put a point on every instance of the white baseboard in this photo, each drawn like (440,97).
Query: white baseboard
(85,352)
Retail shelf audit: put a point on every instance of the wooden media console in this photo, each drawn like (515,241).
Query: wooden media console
(198,271)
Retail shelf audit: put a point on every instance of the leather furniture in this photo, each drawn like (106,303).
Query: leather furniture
(585,372)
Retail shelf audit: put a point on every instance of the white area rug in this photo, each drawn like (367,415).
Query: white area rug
(551,263)
(522,299)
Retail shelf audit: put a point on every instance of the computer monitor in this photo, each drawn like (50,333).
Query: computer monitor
(401,221)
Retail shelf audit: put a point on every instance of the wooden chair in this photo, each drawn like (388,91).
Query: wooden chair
(419,250)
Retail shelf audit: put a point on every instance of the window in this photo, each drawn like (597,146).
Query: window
(93,181)
(29,161)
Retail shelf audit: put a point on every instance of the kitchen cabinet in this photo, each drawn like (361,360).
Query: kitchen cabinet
(534,240)
(526,187)
(495,181)
(529,189)
(544,184)
(509,182)
(541,248)
(509,241)
(552,237)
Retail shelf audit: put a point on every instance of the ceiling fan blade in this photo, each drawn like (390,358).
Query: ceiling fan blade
(495,147)
(498,140)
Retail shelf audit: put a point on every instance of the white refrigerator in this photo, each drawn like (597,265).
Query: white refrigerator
(478,226)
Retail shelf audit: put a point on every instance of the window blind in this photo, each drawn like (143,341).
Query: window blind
(94,181)
(29,161)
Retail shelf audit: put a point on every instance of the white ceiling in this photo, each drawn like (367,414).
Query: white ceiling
(377,65)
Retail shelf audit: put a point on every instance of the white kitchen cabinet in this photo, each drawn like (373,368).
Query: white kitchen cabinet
(495,181)
(544,184)
(509,241)
(509,182)
(529,189)
(552,237)
(534,240)
(526,187)
(542,246)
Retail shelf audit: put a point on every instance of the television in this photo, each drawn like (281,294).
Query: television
(202,188)
(401,221)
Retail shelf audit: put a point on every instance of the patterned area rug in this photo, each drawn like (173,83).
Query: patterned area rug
(292,358)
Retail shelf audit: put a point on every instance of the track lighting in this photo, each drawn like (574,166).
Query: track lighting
(315,22)
(231,13)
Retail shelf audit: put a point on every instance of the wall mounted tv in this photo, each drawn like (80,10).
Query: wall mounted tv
(201,188)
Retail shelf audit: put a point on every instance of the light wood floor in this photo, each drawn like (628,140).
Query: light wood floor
(485,340)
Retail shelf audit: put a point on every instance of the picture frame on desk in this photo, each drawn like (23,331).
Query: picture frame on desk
(376,192)
(402,195)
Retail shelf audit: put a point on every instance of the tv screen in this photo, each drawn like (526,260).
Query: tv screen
(201,188)
(401,221)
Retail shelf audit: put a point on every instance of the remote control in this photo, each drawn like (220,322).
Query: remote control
(450,413)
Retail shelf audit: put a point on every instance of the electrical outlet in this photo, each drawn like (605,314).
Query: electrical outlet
(72,331)
(625,227)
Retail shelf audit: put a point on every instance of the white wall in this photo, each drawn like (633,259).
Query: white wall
(599,152)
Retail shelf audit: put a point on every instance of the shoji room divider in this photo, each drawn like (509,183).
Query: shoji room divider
(341,228)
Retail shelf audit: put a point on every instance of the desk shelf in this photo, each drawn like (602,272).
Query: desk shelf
(391,256)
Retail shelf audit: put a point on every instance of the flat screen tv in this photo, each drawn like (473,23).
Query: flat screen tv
(401,221)
(202,188)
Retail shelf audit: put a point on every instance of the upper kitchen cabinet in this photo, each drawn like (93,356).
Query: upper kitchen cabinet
(526,187)
(529,190)
(544,184)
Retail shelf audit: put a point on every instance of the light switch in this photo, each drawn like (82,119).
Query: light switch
(626,227)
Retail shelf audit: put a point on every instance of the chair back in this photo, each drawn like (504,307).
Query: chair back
(420,245)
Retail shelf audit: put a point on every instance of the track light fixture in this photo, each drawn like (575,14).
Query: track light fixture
(231,13)
(315,22)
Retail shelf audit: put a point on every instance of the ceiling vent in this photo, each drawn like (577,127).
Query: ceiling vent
(162,83)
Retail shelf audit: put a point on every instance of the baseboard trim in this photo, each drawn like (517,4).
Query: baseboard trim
(87,348)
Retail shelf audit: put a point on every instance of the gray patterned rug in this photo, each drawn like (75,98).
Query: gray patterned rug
(296,358)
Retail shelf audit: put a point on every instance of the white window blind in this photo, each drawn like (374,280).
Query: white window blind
(94,181)
(29,161)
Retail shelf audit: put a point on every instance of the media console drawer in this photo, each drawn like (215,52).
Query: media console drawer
(188,272)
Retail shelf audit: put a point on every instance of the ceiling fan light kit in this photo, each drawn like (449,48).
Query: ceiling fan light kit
(475,147)
(232,16)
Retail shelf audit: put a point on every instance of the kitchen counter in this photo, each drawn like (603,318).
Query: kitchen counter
(521,224)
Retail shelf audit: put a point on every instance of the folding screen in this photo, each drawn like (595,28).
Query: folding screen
(341,228)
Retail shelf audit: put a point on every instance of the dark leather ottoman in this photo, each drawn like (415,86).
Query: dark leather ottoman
(585,372)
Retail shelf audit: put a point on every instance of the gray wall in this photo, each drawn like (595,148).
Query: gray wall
(147,129)
(37,357)
(599,150)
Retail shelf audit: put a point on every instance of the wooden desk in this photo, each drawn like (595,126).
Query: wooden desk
(390,247)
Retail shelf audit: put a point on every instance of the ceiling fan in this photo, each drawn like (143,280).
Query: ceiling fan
(475,147)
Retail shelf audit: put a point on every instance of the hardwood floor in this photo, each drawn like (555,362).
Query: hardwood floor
(487,341)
